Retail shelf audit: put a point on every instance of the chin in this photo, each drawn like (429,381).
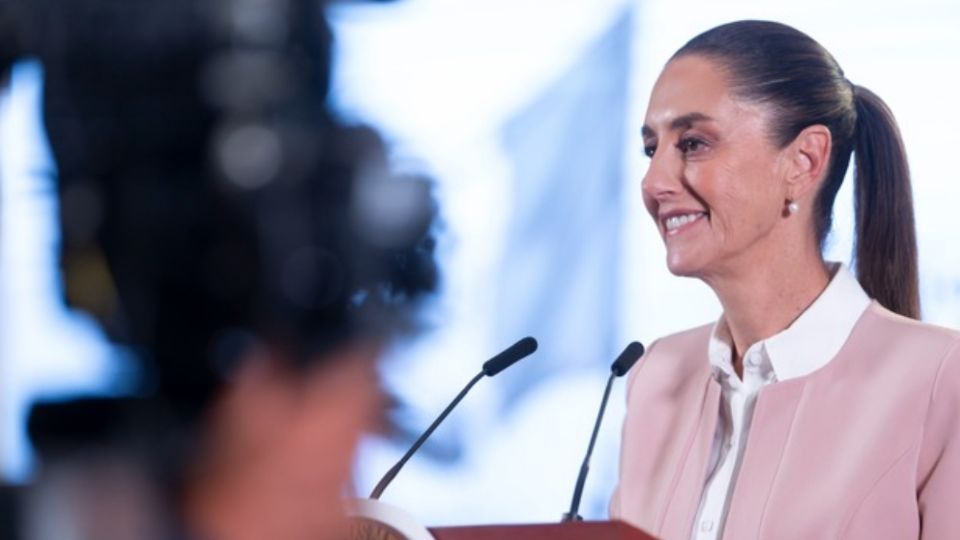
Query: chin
(682,266)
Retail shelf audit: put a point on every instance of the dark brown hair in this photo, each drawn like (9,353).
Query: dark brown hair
(775,64)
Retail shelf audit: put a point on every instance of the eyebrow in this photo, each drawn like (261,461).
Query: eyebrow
(680,122)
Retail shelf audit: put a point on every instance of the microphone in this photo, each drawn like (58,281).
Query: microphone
(519,350)
(620,366)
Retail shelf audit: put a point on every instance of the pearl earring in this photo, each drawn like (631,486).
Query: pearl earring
(793,207)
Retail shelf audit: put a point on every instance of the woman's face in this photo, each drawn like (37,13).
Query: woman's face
(715,184)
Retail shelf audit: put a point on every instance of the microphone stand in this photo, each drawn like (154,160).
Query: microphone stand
(573,514)
(387,478)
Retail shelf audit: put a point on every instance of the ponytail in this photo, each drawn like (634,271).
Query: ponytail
(886,240)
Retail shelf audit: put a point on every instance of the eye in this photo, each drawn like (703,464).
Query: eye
(690,144)
(649,150)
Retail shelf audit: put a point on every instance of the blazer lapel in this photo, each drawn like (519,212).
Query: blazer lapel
(684,500)
(770,430)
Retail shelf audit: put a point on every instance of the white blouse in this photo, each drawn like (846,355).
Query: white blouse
(807,345)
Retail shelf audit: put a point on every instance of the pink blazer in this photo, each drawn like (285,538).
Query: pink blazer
(867,447)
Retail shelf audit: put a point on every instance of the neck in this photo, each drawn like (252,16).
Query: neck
(762,300)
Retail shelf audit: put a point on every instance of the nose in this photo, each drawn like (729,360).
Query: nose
(663,178)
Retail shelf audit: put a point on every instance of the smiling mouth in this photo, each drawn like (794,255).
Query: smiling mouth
(677,223)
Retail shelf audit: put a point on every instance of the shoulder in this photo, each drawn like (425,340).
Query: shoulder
(691,341)
(889,345)
(912,345)
(675,356)
(887,325)
(924,348)
(940,447)
(919,364)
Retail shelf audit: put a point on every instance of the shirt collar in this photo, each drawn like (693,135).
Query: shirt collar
(813,339)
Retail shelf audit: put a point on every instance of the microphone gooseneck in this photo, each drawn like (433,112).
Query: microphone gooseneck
(620,366)
(519,350)
(387,478)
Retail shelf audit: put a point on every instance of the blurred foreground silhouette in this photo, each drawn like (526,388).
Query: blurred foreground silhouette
(255,253)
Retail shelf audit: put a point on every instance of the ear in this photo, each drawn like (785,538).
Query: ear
(809,157)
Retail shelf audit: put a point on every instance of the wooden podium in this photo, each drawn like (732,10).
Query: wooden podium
(377,520)
(584,530)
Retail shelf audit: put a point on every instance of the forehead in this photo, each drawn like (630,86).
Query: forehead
(691,85)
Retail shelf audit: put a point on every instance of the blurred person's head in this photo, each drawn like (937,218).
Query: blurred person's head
(254,253)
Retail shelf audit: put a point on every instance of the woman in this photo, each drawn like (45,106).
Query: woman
(815,407)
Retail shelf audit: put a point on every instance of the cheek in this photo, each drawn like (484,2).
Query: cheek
(715,185)
(721,188)
(748,198)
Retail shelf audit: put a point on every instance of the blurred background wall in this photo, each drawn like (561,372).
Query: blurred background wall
(528,114)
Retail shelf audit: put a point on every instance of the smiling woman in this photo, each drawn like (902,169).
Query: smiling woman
(749,130)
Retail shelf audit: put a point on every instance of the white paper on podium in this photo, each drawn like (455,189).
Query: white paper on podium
(394,518)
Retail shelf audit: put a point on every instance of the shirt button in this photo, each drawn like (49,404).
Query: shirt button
(706,525)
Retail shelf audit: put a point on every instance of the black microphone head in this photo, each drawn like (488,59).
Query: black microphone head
(627,359)
(507,358)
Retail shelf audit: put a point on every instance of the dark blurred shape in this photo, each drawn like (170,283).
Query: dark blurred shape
(10,511)
(205,187)
(211,206)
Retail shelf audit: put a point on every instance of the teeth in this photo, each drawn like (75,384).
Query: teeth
(675,222)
